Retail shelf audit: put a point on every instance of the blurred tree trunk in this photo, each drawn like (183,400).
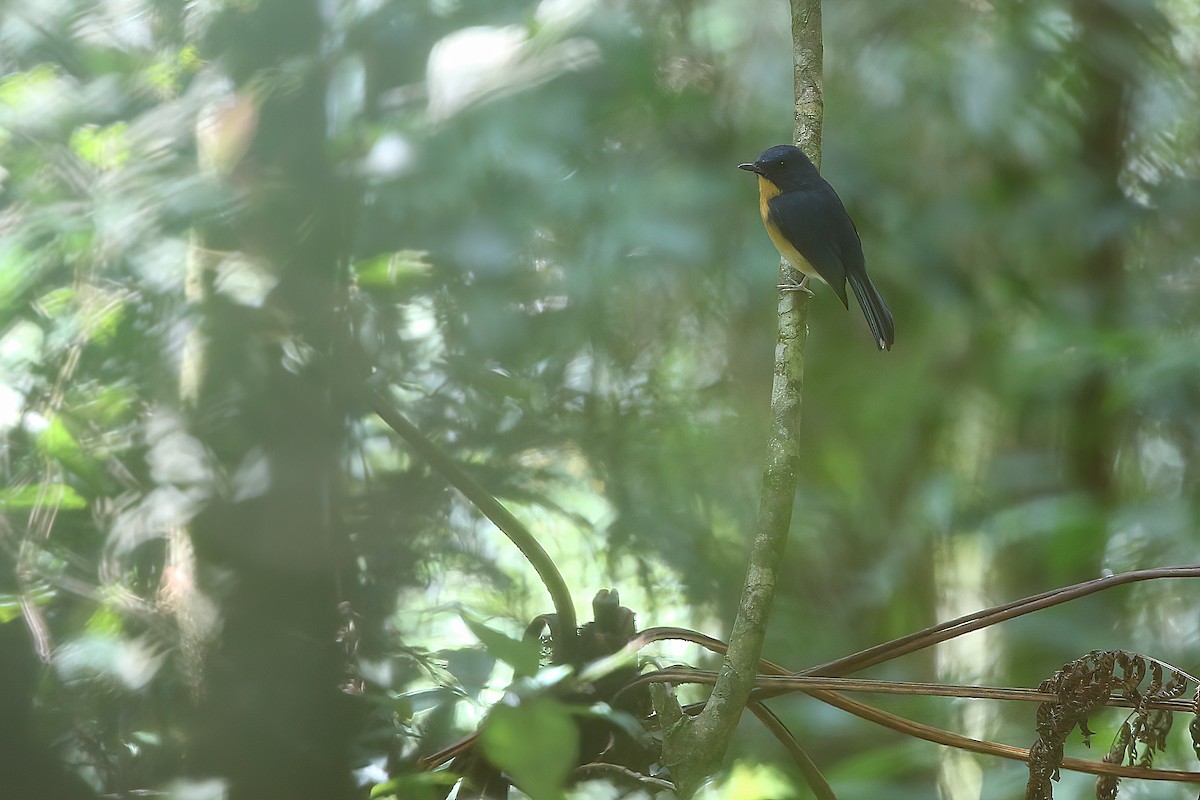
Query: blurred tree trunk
(1107,40)
(275,722)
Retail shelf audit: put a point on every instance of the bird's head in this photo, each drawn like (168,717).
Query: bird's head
(785,166)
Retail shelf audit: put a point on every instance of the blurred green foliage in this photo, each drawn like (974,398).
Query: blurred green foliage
(546,255)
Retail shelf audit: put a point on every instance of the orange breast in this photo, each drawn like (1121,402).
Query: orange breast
(766,191)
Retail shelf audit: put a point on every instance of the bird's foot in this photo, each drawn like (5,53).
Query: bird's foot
(797,286)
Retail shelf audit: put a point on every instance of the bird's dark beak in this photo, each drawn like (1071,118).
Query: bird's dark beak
(751,168)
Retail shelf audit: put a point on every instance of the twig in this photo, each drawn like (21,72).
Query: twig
(781,684)
(501,517)
(625,772)
(989,616)
(808,768)
(949,739)
(944,737)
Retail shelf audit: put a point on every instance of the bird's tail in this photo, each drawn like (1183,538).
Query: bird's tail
(875,310)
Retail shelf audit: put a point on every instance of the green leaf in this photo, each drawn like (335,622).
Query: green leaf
(522,656)
(22,89)
(415,786)
(18,269)
(393,269)
(23,498)
(748,781)
(618,719)
(103,322)
(405,704)
(58,302)
(104,622)
(58,442)
(536,743)
(106,148)
(10,604)
(10,608)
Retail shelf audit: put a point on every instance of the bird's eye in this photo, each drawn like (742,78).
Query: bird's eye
(781,162)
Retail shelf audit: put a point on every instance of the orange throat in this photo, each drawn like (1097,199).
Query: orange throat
(766,191)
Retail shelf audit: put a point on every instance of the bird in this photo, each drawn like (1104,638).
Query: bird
(810,228)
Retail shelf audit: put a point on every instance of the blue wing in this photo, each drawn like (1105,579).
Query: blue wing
(816,224)
(813,224)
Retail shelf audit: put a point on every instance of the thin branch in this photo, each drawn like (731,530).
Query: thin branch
(501,517)
(943,631)
(808,66)
(989,616)
(668,633)
(809,683)
(949,739)
(808,768)
(781,684)
(694,749)
(655,784)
